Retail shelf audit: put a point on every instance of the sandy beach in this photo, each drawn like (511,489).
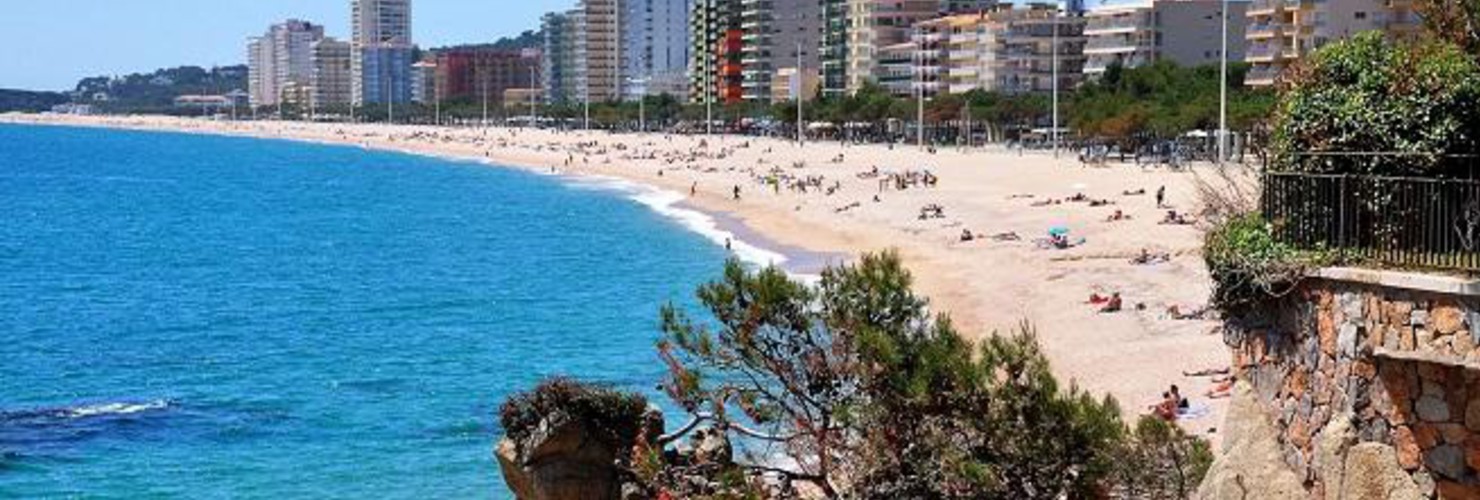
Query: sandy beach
(852,204)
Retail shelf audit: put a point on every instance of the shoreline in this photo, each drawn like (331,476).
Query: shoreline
(986,286)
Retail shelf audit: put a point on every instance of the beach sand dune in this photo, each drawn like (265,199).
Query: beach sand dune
(991,283)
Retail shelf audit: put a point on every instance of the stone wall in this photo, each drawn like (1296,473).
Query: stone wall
(1387,360)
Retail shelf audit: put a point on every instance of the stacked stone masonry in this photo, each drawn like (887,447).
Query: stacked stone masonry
(1400,363)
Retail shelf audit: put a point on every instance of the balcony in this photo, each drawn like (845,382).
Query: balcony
(1262,31)
(1262,76)
(1117,45)
(1113,26)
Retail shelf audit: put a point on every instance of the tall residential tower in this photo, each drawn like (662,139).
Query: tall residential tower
(382,51)
(655,47)
(280,62)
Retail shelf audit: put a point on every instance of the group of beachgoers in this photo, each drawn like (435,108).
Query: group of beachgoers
(1173,406)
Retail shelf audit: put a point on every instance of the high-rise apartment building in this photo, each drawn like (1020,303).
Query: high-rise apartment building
(558,56)
(483,74)
(1008,50)
(777,34)
(332,78)
(1187,32)
(280,62)
(597,51)
(716,37)
(381,50)
(655,47)
(858,31)
(1281,32)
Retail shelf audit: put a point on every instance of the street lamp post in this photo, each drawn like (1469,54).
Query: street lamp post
(920,98)
(1223,92)
(641,101)
(1055,49)
(533,95)
(801,132)
(710,50)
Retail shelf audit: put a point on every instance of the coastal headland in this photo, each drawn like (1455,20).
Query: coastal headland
(827,198)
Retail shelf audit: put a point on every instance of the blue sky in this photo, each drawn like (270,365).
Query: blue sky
(50,44)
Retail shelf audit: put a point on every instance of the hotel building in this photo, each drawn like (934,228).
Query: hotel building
(862,38)
(1006,50)
(1186,32)
(332,81)
(1281,32)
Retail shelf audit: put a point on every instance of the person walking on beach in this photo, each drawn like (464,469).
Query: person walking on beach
(1161,196)
(694,190)
(737,192)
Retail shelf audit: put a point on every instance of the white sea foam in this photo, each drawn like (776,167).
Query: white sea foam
(666,203)
(115,409)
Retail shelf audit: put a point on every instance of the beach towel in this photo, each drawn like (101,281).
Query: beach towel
(1194,411)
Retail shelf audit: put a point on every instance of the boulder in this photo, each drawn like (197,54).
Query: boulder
(561,459)
(1371,472)
(1250,464)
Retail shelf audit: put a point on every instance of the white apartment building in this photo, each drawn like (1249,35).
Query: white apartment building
(872,25)
(1186,32)
(1281,32)
(1006,50)
(280,62)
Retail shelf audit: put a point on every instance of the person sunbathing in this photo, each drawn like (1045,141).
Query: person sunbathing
(967,236)
(1176,219)
(1113,305)
(1222,389)
(1207,372)
(1117,216)
(1166,409)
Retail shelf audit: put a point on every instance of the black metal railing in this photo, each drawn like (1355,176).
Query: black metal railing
(1402,221)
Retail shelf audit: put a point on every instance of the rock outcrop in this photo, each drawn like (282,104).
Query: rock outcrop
(564,459)
(1251,463)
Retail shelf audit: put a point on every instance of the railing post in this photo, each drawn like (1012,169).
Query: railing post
(1341,242)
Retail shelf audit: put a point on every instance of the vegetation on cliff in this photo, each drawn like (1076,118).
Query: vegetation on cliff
(1366,106)
(852,387)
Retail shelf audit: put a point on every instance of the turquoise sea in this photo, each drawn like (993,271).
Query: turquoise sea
(191,316)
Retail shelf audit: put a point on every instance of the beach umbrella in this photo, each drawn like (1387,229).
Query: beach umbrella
(1058,231)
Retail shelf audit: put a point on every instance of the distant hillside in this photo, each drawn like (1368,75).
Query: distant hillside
(155,92)
(29,101)
(526,40)
(529,39)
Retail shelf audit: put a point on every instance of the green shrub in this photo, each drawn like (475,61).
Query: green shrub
(1250,267)
(1160,461)
(616,416)
(1368,94)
